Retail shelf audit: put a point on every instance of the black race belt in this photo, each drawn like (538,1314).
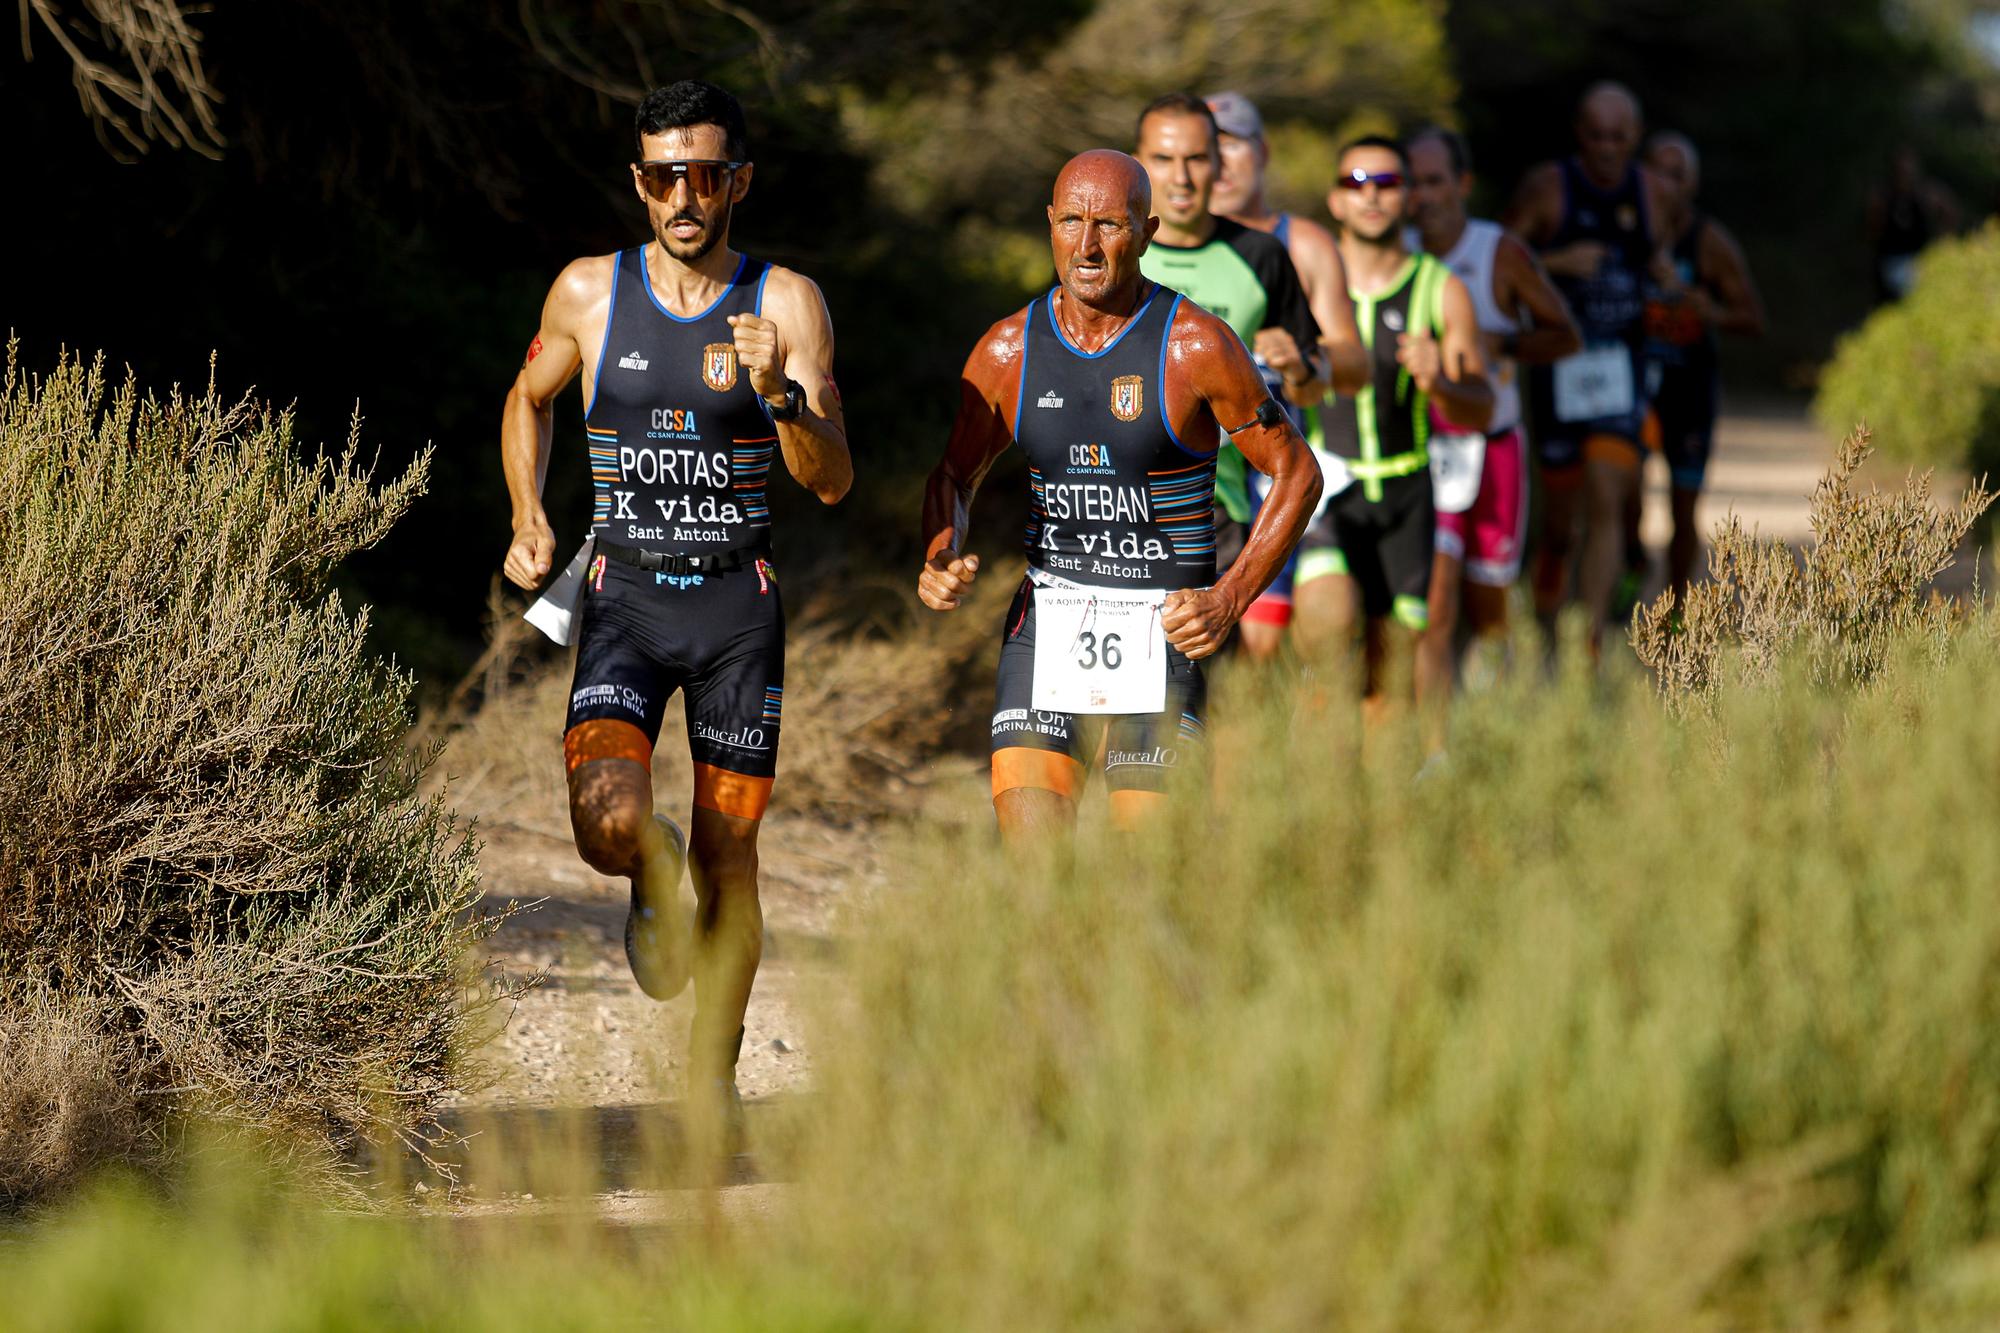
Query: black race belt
(661,562)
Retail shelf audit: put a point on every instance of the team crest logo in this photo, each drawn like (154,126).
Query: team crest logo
(1627,217)
(718,366)
(1128,397)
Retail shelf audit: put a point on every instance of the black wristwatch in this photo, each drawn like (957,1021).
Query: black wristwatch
(794,403)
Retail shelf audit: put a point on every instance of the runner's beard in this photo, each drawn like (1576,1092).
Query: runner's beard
(691,252)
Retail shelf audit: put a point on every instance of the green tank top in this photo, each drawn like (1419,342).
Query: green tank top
(1216,277)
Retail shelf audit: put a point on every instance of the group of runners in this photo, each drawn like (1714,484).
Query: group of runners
(1240,428)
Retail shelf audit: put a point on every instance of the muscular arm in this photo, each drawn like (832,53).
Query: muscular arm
(982,432)
(1551,334)
(1203,355)
(1461,389)
(793,339)
(1740,309)
(1325,278)
(527,423)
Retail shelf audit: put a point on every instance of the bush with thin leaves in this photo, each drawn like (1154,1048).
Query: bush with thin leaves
(1840,609)
(212,860)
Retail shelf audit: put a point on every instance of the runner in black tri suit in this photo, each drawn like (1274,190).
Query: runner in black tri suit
(1591,217)
(1119,392)
(1365,563)
(700,367)
(1699,287)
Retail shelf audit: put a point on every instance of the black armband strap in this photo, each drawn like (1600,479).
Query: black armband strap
(1268,414)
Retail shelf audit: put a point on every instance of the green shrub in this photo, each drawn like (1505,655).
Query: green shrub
(1924,373)
(210,860)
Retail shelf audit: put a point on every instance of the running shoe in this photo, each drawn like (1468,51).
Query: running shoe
(658,936)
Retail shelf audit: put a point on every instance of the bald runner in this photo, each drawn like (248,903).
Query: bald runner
(1120,393)
(1593,217)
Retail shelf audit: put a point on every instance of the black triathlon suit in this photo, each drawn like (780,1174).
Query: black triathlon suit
(1610,306)
(680,448)
(1682,366)
(1116,501)
(1381,528)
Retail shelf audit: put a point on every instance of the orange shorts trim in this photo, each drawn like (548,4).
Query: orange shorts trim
(1133,811)
(729,793)
(605,738)
(1022,766)
(1613,449)
(1650,433)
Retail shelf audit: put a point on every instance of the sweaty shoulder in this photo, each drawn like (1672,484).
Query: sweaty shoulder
(789,291)
(1537,201)
(582,285)
(1198,336)
(995,361)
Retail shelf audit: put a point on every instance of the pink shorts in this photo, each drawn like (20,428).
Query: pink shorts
(1488,536)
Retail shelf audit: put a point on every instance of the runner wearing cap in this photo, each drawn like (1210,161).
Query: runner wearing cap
(1245,155)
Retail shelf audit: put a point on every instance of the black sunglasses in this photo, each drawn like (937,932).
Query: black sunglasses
(704,175)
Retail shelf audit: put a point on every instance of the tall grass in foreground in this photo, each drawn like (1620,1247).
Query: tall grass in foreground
(1623,1021)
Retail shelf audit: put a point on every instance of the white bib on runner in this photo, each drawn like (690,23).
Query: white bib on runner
(1457,462)
(1594,383)
(1098,650)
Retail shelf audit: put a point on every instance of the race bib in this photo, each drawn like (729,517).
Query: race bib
(1457,461)
(1098,651)
(554,612)
(1594,383)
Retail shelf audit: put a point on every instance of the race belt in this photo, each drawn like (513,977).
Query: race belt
(661,562)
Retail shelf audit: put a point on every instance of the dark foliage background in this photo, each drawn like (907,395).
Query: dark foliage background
(401,182)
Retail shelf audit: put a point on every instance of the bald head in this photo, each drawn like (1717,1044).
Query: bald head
(1608,124)
(1102,175)
(1099,223)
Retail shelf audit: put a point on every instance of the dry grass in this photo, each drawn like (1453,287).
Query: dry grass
(1856,594)
(211,852)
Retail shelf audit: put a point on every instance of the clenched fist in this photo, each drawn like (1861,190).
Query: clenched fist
(531,555)
(1281,353)
(947,577)
(757,352)
(1196,620)
(1419,354)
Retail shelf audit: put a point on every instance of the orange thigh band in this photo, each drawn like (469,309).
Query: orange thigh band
(1614,449)
(1023,766)
(605,738)
(729,793)
(1132,811)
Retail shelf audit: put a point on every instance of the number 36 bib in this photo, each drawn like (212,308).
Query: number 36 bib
(1099,651)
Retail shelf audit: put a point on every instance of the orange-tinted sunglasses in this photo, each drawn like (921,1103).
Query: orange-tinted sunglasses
(704,176)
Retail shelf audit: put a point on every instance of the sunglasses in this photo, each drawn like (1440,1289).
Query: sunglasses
(1381,180)
(704,176)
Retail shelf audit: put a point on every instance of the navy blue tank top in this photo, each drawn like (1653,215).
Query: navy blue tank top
(1115,499)
(680,444)
(1610,306)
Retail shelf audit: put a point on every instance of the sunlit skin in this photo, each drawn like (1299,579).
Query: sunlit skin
(1438,196)
(1608,126)
(611,798)
(1326,612)
(1723,297)
(1099,226)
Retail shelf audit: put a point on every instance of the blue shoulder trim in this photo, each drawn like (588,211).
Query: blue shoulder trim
(660,305)
(758,308)
(1021,389)
(610,318)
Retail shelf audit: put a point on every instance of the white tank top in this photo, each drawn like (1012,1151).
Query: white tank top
(1473,260)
